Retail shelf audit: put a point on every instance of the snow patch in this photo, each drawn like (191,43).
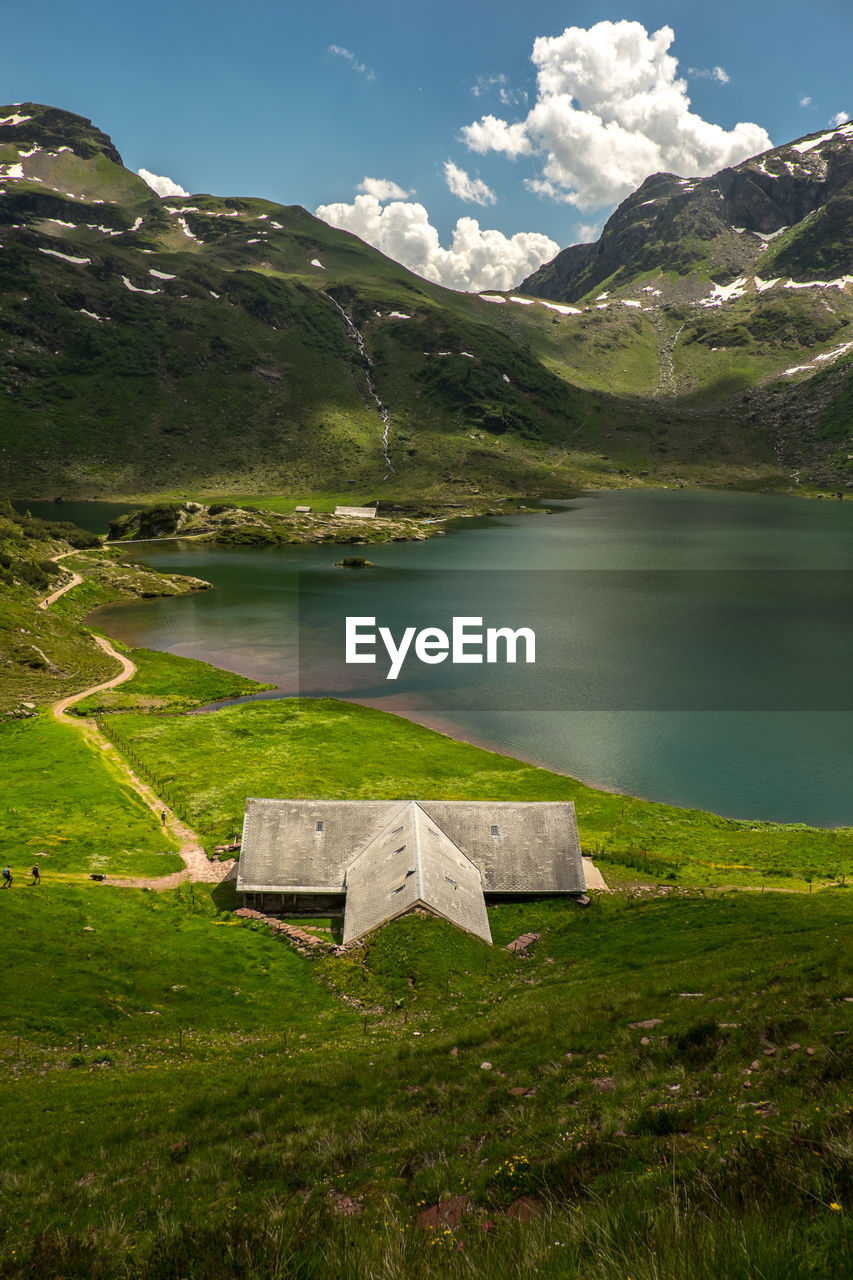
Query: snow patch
(563,310)
(626,303)
(212,294)
(137,224)
(11,171)
(524,302)
(59,223)
(25,155)
(763,285)
(803,147)
(819,284)
(54,253)
(182,223)
(725,293)
(134,289)
(159,275)
(277,225)
(467,355)
(827,355)
(505,378)
(769,235)
(492,297)
(15,119)
(398,315)
(602,296)
(91,315)
(315,262)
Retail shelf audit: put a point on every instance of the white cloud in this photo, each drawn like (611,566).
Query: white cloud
(383,189)
(588,231)
(476,259)
(710,73)
(805,101)
(610,110)
(841,117)
(467,188)
(350,57)
(485,84)
(163,186)
(509,97)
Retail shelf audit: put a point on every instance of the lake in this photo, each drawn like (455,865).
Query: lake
(692,647)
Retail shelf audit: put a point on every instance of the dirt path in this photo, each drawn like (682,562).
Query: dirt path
(197,867)
(594,878)
(74,581)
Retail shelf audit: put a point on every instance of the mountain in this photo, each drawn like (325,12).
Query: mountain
(753,265)
(209,345)
(231,344)
(786,212)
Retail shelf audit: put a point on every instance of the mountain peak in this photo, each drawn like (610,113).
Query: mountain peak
(54,129)
(719,226)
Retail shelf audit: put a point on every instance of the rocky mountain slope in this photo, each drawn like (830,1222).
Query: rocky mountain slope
(206,345)
(788,212)
(753,263)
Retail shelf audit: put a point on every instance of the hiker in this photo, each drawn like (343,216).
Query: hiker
(36,875)
(7,878)
(163,816)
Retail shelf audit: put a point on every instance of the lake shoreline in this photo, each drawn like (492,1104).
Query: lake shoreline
(755,765)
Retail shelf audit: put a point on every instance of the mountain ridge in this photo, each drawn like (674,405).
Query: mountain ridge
(219,344)
(762,198)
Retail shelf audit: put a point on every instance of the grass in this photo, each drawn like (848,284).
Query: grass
(139,967)
(166,681)
(70,805)
(208,765)
(287,1132)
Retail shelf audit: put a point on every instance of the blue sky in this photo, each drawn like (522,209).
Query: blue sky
(301,103)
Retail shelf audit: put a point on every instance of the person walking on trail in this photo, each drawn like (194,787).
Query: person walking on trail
(7,878)
(36,875)
(163,816)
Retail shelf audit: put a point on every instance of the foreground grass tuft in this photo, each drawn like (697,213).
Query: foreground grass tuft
(663,1098)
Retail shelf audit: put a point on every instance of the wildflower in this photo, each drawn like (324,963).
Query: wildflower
(836,1206)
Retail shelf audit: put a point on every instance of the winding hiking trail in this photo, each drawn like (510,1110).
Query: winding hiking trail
(197,867)
(74,581)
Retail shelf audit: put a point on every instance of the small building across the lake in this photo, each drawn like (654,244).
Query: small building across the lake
(378,859)
(357,513)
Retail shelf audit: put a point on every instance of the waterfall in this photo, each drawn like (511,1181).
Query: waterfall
(358,339)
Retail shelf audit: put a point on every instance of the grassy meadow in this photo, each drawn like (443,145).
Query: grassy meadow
(207,765)
(208,1103)
(659,1089)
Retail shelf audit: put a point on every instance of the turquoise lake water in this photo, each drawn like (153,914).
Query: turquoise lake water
(692,647)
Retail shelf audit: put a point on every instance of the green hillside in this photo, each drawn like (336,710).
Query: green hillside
(209,1103)
(204,346)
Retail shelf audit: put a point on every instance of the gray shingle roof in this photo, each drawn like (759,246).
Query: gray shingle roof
(410,862)
(454,851)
